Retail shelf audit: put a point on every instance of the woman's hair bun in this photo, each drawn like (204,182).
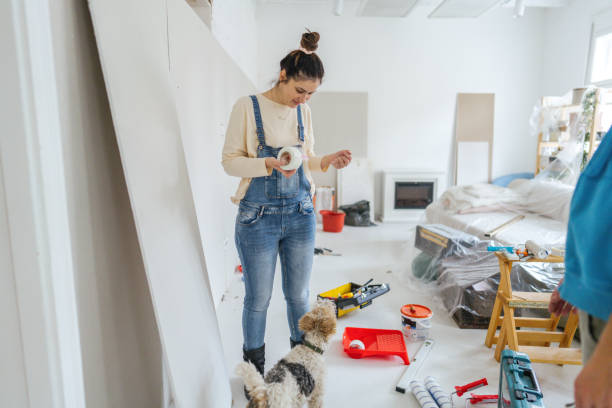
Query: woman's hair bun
(310,40)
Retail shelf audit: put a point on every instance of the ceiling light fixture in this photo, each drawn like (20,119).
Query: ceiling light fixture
(519,8)
(338,7)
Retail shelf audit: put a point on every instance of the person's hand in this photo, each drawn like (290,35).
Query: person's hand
(557,305)
(272,163)
(593,386)
(339,160)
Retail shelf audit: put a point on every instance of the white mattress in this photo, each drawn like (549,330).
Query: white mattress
(543,230)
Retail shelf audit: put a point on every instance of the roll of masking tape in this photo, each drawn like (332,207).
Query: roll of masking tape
(357,344)
(291,156)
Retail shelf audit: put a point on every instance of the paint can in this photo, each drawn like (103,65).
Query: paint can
(416,321)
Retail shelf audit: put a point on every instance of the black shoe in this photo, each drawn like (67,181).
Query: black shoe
(294,343)
(258,358)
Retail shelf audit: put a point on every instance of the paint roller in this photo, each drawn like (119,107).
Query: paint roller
(536,250)
(422,395)
(433,387)
(291,157)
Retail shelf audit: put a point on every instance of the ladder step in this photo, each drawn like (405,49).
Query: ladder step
(554,355)
(531,300)
(525,336)
(543,322)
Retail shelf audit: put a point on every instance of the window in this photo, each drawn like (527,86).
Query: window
(600,58)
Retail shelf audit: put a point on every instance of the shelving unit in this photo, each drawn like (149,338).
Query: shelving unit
(549,146)
(550,142)
(602,119)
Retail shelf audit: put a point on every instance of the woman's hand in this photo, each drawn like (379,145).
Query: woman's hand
(272,163)
(339,160)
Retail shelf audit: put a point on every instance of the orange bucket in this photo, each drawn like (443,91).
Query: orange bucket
(333,221)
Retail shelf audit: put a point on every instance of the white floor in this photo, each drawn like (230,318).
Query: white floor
(458,357)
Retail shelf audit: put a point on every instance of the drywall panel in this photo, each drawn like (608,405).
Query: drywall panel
(13,388)
(472,163)
(133,46)
(207,83)
(474,122)
(120,344)
(339,121)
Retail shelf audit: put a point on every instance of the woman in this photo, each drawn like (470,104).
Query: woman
(276,215)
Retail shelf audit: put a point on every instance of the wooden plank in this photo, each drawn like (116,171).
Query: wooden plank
(536,335)
(527,336)
(528,322)
(553,355)
(570,329)
(495,322)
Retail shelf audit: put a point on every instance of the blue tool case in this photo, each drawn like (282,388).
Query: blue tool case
(518,385)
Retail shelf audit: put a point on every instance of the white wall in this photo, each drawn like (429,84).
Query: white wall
(234,26)
(413,68)
(119,339)
(566,45)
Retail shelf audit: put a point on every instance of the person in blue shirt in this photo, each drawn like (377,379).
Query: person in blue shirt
(587,285)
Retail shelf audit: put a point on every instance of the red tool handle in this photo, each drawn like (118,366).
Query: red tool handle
(475,399)
(462,389)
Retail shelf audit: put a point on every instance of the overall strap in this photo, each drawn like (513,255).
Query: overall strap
(300,125)
(258,123)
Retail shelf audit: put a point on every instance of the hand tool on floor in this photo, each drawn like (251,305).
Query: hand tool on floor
(502,227)
(424,398)
(518,385)
(462,389)
(483,399)
(442,398)
(417,362)
(325,251)
(361,289)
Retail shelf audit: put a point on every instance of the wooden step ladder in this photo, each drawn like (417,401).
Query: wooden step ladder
(537,344)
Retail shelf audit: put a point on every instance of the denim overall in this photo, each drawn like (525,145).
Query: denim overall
(275,217)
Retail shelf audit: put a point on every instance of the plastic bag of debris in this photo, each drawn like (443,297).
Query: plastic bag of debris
(357,214)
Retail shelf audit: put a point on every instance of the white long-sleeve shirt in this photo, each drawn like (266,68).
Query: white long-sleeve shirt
(280,129)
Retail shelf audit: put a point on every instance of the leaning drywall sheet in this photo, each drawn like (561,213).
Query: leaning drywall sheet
(133,47)
(474,123)
(206,84)
(339,121)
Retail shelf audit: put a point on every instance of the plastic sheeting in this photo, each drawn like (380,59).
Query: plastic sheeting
(570,132)
(459,270)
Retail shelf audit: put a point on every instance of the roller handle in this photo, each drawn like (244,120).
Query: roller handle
(462,389)
(476,399)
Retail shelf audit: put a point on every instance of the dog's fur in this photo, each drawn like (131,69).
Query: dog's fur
(298,377)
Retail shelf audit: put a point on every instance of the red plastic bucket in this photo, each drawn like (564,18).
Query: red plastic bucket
(333,221)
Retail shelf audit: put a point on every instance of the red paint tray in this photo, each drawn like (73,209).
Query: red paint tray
(377,342)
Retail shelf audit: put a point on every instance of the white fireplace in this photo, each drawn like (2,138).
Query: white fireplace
(406,193)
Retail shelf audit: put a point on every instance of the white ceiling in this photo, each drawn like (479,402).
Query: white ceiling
(510,3)
(386,3)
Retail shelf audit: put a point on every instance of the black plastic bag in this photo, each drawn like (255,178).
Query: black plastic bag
(357,214)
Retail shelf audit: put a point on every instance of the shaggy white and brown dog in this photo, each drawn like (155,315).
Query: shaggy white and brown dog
(298,377)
